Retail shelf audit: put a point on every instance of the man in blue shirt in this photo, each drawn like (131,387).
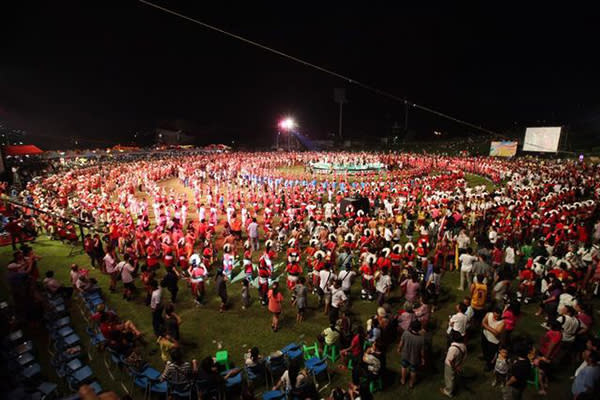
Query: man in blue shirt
(586,382)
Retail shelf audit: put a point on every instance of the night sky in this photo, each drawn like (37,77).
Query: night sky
(100,71)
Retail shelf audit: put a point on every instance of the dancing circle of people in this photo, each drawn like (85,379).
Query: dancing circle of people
(239,218)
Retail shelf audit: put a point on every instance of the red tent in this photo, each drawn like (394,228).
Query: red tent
(22,150)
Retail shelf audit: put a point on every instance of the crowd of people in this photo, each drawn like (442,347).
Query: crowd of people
(532,239)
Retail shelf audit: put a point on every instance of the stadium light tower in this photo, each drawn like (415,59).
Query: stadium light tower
(287,125)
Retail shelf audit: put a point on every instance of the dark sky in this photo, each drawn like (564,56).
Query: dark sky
(103,70)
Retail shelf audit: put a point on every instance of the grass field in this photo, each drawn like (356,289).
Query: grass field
(477,180)
(204,330)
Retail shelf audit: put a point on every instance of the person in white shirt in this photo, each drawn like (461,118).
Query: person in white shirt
(492,236)
(110,263)
(156,307)
(509,257)
(569,323)
(455,358)
(346,276)
(326,278)
(388,235)
(383,286)
(126,270)
(466,266)
(567,299)
(458,321)
(338,299)
(463,241)
(73,274)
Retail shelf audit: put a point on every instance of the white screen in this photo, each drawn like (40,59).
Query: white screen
(542,139)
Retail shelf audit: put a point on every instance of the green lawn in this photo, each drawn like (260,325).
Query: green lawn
(204,329)
(477,180)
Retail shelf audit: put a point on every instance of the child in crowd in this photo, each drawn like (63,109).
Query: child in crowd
(300,297)
(501,367)
(245,294)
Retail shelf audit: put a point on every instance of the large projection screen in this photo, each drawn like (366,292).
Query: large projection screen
(543,139)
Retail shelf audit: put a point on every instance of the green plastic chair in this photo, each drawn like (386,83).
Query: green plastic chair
(331,352)
(350,363)
(536,378)
(376,385)
(311,351)
(222,358)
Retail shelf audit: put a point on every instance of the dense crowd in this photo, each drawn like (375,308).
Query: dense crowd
(534,238)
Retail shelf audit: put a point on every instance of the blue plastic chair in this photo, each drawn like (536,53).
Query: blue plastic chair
(293,352)
(93,304)
(206,389)
(312,362)
(79,377)
(158,387)
(73,366)
(141,382)
(115,357)
(59,323)
(290,347)
(317,369)
(150,373)
(56,301)
(47,389)
(273,395)
(58,312)
(276,366)
(91,296)
(233,383)
(256,374)
(64,332)
(31,371)
(69,341)
(96,387)
(22,348)
(25,359)
(15,337)
(180,391)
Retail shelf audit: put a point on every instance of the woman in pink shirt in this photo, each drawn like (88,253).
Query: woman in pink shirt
(509,316)
(275,299)
(411,288)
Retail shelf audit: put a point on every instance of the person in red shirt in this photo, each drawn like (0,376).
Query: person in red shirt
(207,254)
(384,261)
(526,284)
(349,244)
(497,256)
(293,269)
(151,256)
(247,261)
(368,283)
(265,269)
(549,348)
(317,265)
(354,351)
(88,245)
(275,298)
(396,263)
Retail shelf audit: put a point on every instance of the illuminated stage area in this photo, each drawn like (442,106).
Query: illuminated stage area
(348,163)
(326,167)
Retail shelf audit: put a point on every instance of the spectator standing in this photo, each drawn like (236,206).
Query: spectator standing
(156,307)
(518,375)
(412,352)
(253,234)
(466,260)
(455,358)
(275,298)
(492,328)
